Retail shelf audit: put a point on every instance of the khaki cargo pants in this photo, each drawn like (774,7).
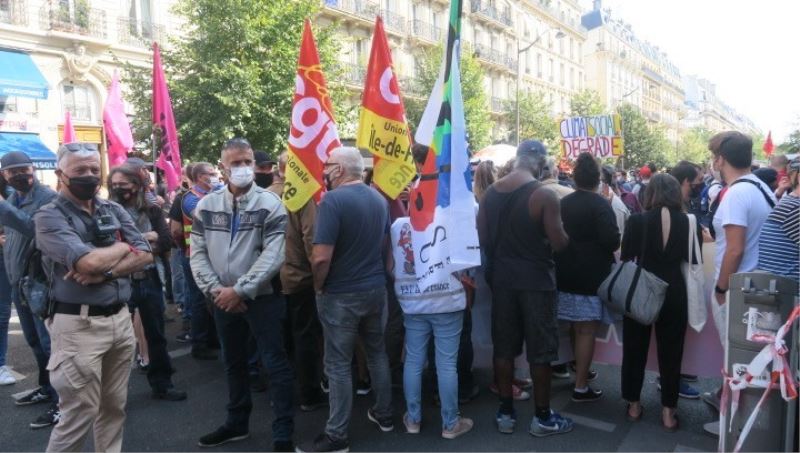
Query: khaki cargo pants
(90,364)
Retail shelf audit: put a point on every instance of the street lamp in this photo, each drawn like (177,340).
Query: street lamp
(559,35)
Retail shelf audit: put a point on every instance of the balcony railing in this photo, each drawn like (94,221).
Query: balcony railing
(426,31)
(491,12)
(393,21)
(75,18)
(14,12)
(138,34)
(495,56)
(353,74)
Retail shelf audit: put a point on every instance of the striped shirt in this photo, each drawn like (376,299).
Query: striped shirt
(779,243)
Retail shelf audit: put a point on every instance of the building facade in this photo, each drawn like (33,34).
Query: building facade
(705,109)
(76,45)
(493,30)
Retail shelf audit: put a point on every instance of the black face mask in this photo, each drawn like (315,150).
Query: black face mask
(21,183)
(83,187)
(327,180)
(122,195)
(264,180)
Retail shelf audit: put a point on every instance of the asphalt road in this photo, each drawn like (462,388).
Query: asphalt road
(176,426)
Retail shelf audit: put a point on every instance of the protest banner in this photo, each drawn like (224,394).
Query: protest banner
(313,134)
(382,127)
(600,135)
(442,205)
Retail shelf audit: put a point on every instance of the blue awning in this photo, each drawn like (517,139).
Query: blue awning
(19,76)
(30,144)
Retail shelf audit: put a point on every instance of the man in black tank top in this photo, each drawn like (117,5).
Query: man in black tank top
(520,227)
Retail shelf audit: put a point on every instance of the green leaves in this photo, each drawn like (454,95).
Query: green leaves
(535,120)
(586,103)
(643,143)
(233,74)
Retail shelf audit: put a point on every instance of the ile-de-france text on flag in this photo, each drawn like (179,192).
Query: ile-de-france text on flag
(383,128)
(444,236)
(169,159)
(119,139)
(313,134)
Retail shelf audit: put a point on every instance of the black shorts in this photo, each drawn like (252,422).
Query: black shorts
(519,315)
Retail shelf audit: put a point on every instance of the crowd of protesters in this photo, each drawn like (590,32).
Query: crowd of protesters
(317,294)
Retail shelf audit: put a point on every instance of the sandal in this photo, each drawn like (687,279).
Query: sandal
(673,428)
(630,417)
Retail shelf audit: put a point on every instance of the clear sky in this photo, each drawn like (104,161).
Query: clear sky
(748,49)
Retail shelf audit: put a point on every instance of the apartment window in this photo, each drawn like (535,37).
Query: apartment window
(561,74)
(79,101)
(527,63)
(572,78)
(359,54)
(571,49)
(561,47)
(551,74)
(580,80)
(539,65)
(437,24)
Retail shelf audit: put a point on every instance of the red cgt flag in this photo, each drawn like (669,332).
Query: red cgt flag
(313,134)
(769,147)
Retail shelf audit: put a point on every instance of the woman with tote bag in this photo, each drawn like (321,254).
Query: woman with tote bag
(666,241)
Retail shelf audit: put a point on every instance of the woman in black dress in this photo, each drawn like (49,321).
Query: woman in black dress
(664,230)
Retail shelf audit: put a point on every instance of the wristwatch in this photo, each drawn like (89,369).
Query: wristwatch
(719,290)
(109,275)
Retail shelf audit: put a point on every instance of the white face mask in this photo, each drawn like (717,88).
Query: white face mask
(213,181)
(242,176)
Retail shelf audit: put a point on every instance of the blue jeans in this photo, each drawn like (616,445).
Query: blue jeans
(5,311)
(445,328)
(179,282)
(146,296)
(344,318)
(37,337)
(202,322)
(264,319)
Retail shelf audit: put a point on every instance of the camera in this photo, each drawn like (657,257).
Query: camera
(105,229)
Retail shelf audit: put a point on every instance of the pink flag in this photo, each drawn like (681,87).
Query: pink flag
(169,159)
(119,139)
(69,132)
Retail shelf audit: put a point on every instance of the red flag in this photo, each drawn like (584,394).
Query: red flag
(119,139)
(313,134)
(769,147)
(69,132)
(169,159)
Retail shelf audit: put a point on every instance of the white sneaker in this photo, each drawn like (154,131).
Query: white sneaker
(462,426)
(6,376)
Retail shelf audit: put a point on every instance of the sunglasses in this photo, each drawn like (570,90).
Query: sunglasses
(78,147)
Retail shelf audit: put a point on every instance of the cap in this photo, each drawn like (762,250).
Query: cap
(262,158)
(645,172)
(768,175)
(15,159)
(532,148)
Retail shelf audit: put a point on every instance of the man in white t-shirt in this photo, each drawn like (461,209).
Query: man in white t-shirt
(744,206)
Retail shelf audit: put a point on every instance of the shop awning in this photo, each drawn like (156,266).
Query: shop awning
(30,144)
(19,76)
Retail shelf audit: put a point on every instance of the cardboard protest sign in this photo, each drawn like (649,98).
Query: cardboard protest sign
(600,135)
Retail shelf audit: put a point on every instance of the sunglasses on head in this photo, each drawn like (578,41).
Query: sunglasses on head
(237,141)
(78,147)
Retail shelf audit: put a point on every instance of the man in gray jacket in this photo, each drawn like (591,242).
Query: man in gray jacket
(16,214)
(237,248)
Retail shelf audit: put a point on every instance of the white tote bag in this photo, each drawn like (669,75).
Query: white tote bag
(695,280)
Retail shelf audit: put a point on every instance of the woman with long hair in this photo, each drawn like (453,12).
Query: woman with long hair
(127,187)
(663,231)
(485,175)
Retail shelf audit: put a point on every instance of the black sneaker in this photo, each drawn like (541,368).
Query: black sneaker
(323,384)
(283,445)
(170,395)
(34,397)
(560,371)
(363,388)
(323,443)
(588,395)
(221,436)
(313,405)
(385,424)
(590,377)
(49,418)
(183,337)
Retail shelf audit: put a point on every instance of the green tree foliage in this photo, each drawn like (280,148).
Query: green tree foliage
(535,120)
(233,74)
(791,145)
(643,144)
(476,105)
(586,103)
(693,147)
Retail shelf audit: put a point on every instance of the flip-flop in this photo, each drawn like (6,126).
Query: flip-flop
(630,417)
(673,428)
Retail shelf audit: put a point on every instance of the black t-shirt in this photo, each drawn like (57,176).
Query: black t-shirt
(175,212)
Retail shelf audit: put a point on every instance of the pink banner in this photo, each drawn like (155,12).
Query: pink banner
(169,159)
(69,132)
(119,139)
